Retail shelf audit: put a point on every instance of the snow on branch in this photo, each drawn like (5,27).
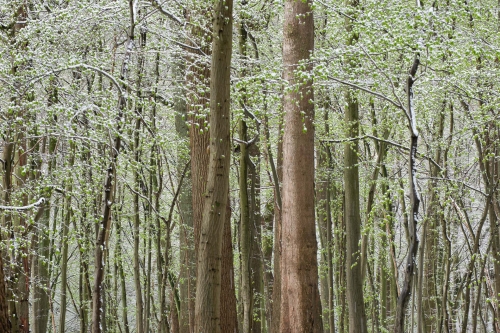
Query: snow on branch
(37,204)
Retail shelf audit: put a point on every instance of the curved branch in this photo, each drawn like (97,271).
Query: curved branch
(379,95)
(37,204)
(85,66)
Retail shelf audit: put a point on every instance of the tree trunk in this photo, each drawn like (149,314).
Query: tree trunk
(68,211)
(323,199)
(109,189)
(426,293)
(357,315)
(208,277)
(40,269)
(405,293)
(139,301)
(300,301)
(245,227)
(256,259)
(277,172)
(187,259)
(228,315)
(245,231)
(198,99)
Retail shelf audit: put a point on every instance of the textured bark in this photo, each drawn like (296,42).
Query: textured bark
(174,316)
(198,99)
(300,301)
(208,277)
(228,315)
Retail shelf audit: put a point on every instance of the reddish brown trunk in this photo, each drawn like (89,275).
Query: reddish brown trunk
(198,75)
(300,301)
(4,309)
(174,316)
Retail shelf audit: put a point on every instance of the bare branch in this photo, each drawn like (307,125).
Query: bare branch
(167,14)
(59,70)
(37,204)
(379,95)
(392,143)
(387,77)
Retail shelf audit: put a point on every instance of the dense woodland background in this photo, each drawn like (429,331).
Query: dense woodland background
(348,184)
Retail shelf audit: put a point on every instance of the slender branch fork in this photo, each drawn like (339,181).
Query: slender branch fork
(392,143)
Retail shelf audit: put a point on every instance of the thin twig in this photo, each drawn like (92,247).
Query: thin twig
(379,95)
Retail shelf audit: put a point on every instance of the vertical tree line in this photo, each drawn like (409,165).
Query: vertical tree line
(249,166)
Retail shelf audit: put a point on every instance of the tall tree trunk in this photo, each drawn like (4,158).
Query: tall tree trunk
(109,187)
(139,302)
(121,277)
(228,315)
(357,315)
(277,173)
(426,293)
(300,301)
(323,198)
(187,259)
(208,277)
(15,162)
(245,227)
(40,268)
(198,99)
(405,293)
(256,259)
(245,230)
